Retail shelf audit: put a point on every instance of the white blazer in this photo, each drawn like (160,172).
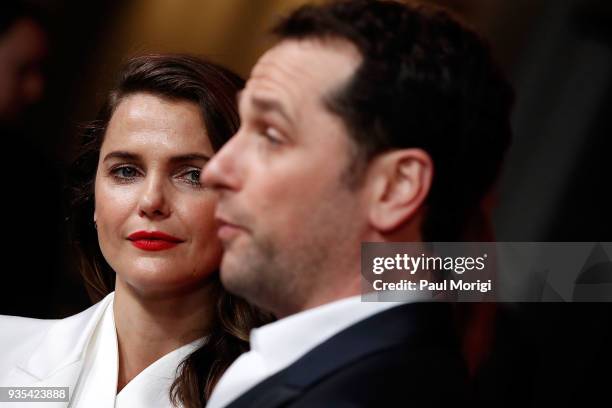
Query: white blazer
(52,353)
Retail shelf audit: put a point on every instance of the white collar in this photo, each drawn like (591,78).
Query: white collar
(282,342)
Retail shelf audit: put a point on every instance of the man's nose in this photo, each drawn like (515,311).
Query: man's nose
(222,172)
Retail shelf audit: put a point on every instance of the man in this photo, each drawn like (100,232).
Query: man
(368,121)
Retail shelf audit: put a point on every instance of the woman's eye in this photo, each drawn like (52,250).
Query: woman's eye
(124,172)
(192,176)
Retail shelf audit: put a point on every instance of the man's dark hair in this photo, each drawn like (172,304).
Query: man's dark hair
(425,81)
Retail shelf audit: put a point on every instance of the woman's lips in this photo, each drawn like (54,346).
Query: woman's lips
(153,240)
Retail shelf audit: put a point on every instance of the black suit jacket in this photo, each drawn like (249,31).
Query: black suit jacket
(405,356)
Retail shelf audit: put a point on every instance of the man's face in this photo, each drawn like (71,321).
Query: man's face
(289,223)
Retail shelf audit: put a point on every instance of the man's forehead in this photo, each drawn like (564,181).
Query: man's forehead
(311,64)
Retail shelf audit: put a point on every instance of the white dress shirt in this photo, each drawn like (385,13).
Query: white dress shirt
(277,345)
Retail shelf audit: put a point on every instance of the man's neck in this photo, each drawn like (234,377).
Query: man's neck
(331,292)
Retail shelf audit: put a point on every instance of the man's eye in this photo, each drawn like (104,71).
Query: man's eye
(272,135)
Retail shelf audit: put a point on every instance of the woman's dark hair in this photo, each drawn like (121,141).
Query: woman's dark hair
(213,88)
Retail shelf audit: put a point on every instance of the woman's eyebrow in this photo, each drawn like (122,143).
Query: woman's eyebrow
(121,155)
(189,157)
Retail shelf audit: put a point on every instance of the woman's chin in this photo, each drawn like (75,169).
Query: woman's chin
(160,283)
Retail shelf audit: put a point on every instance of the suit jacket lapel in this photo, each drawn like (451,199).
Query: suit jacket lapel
(398,325)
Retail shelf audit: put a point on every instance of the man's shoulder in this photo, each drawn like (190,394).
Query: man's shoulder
(406,326)
(403,340)
(402,375)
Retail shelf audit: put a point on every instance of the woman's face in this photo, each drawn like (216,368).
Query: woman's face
(154,219)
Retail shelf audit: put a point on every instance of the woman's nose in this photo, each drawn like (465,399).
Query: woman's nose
(153,202)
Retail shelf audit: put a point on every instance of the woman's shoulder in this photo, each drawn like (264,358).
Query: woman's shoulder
(20,336)
(20,329)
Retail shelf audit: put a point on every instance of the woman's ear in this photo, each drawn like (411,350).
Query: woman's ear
(400,181)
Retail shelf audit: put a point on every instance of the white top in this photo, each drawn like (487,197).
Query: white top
(80,352)
(97,384)
(277,345)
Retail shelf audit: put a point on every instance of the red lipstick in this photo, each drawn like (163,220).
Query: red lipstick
(153,240)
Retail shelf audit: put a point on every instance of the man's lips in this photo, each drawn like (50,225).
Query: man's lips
(153,240)
(227,230)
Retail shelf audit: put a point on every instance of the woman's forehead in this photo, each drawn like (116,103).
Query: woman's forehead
(148,121)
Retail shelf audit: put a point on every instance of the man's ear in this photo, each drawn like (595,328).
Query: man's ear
(400,181)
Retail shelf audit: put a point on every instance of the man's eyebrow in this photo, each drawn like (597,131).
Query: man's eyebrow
(266,104)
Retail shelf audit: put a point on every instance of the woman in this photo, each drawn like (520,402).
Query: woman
(144,226)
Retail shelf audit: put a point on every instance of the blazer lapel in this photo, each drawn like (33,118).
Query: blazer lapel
(58,360)
(66,376)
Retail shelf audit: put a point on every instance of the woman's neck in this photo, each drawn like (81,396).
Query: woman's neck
(149,327)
